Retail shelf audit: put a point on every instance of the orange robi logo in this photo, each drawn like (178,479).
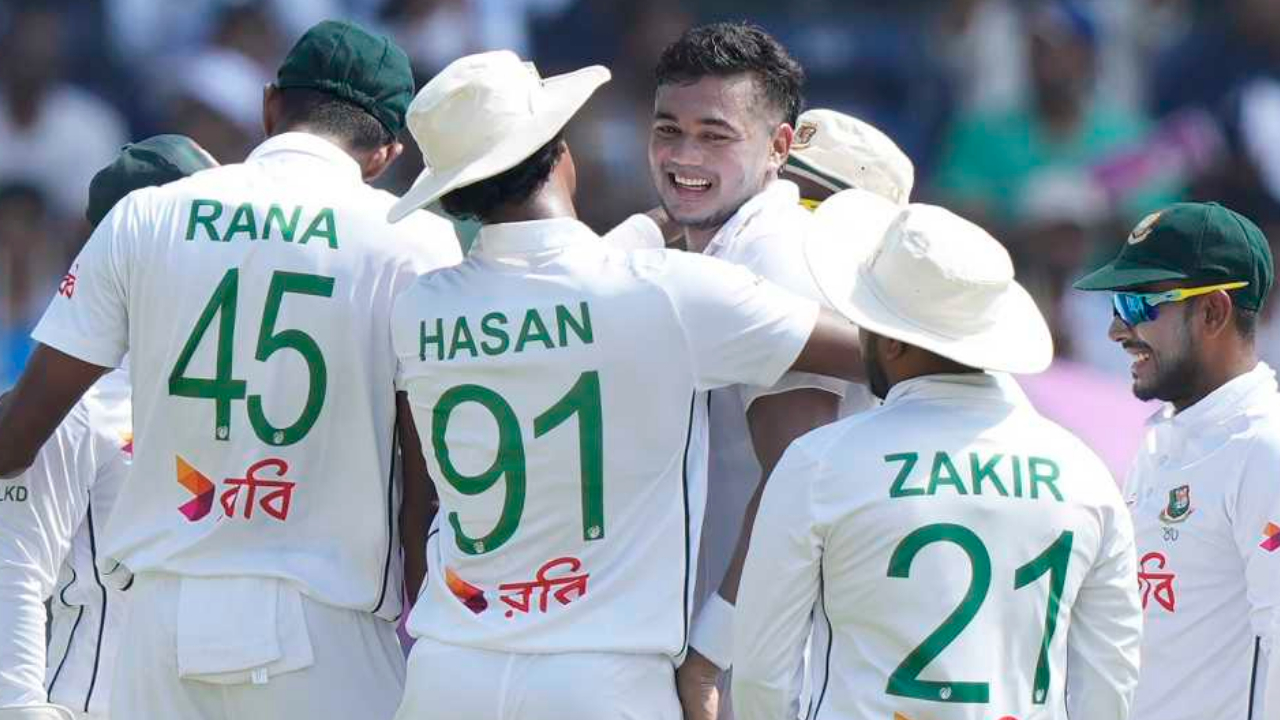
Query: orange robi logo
(199,486)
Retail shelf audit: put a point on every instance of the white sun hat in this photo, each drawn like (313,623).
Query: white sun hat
(840,151)
(936,281)
(483,115)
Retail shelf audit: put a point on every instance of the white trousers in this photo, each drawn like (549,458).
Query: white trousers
(449,682)
(358,673)
(35,712)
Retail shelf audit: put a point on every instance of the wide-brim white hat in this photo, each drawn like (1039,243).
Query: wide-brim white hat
(840,151)
(932,279)
(483,115)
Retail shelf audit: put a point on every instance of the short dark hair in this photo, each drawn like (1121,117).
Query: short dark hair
(478,200)
(331,115)
(723,49)
(1246,322)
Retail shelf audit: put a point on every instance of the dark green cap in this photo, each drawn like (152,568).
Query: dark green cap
(1204,243)
(155,161)
(344,59)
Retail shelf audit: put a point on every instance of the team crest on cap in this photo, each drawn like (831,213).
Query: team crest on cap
(1143,228)
(1179,507)
(804,135)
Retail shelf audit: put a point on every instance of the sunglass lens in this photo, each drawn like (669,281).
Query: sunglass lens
(1133,309)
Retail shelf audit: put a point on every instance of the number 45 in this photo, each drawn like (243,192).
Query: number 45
(222,389)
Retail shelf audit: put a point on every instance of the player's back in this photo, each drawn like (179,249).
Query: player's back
(258,298)
(958,530)
(555,395)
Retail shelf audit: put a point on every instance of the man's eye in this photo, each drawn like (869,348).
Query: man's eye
(716,137)
(667,130)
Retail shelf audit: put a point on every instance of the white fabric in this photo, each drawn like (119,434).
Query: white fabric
(483,115)
(638,232)
(939,282)
(142,285)
(713,631)
(50,520)
(232,631)
(1210,588)
(36,712)
(358,670)
(663,326)
(851,151)
(447,682)
(765,236)
(842,503)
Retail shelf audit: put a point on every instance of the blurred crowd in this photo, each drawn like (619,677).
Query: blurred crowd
(1055,124)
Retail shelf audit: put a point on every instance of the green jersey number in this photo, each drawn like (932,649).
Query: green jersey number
(222,388)
(582,400)
(905,680)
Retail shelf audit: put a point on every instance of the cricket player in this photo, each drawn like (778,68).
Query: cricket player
(1204,490)
(52,516)
(727,101)
(557,386)
(259,522)
(831,152)
(956,555)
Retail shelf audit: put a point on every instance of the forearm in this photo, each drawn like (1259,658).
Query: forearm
(50,385)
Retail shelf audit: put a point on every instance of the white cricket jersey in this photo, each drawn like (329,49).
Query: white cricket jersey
(957,556)
(554,380)
(254,300)
(51,520)
(1205,497)
(766,236)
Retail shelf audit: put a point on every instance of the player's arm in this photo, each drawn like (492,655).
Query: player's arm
(1105,638)
(36,527)
(420,502)
(780,585)
(833,349)
(51,384)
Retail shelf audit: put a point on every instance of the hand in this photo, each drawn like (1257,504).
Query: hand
(672,234)
(696,683)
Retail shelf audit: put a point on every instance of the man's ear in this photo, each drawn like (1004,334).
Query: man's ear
(1215,312)
(376,162)
(270,108)
(893,349)
(780,146)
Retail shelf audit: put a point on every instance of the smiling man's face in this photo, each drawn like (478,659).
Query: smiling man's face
(714,145)
(1164,363)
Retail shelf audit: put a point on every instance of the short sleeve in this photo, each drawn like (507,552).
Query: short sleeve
(88,318)
(739,327)
(637,232)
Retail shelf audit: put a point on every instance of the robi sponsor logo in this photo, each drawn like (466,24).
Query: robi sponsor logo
(1154,582)
(526,597)
(275,500)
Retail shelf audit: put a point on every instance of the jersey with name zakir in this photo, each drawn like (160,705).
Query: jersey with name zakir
(552,379)
(255,300)
(51,518)
(961,558)
(1205,496)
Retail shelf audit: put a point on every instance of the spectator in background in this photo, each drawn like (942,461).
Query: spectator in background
(989,157)
(217,101)
(31,264)
(52,135)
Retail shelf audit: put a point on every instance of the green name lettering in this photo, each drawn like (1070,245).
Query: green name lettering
(197,217)
(322,226)
(581,327)
(986,471)
(493,326)
(941,463)
(1043,471)
(462,339)
(898,488)
(437,339)
(534,329)
(275,217)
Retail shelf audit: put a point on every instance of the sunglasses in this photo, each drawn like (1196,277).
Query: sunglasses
(1135,308)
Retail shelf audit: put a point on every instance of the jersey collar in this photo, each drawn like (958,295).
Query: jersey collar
(1233,398)
(527,238)
(960,386)
(777,195)
(293,145)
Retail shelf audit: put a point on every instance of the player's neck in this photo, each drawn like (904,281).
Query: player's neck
(548,203)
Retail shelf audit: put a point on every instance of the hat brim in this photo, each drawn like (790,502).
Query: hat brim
(1111,277)
(564,96)
(1018,341)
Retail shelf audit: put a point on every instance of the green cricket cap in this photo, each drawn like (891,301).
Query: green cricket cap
(344,59)
(1204,243)
(157,160)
